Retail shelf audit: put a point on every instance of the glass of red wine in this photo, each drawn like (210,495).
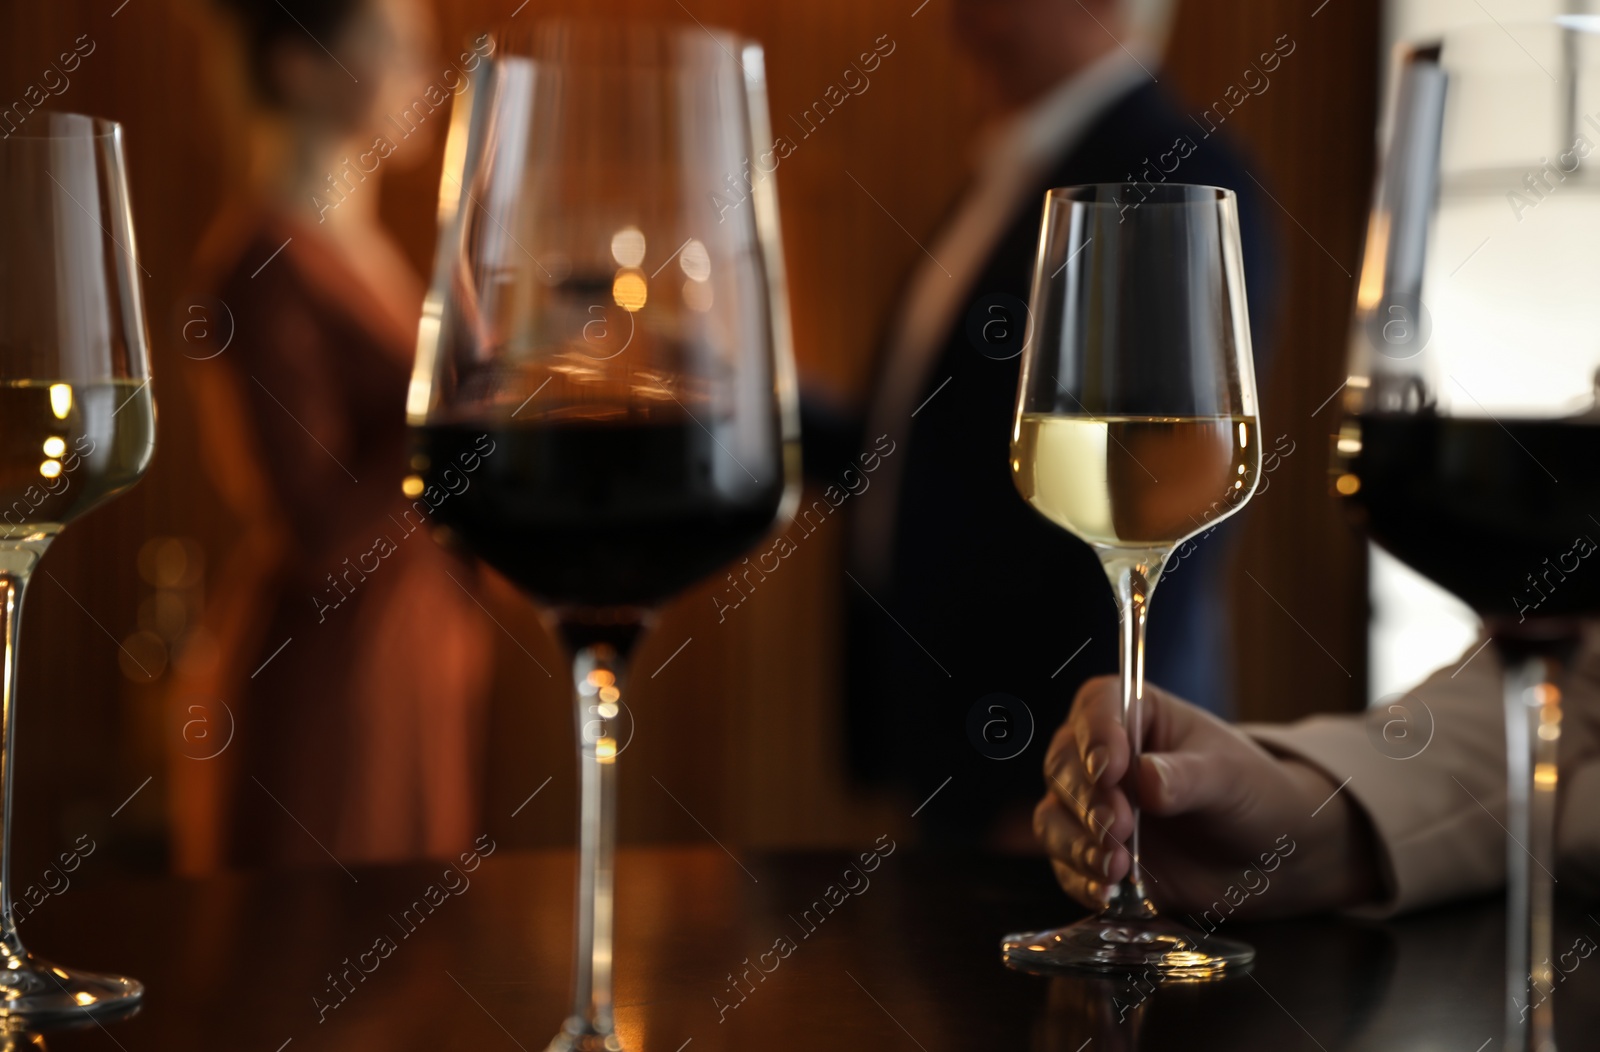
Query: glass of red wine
(603,400)
(1471,442)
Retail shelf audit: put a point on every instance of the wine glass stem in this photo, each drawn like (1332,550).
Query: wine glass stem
(597,673)
(16,567)
(1134,577)
(1533,740)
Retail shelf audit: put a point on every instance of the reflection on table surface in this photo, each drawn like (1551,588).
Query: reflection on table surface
(771,951)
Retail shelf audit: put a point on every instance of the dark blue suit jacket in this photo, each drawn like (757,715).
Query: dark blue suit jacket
(998,596)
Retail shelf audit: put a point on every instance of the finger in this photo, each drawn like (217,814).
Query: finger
(1176,783)
(1101,861)
(1094,860)
(1110,821)
(1057,828)
(1116,862)
(1067,784)
(1094,805)
(1062,745)
(1106,816)
(1095,725)
(1066,777)
(1066,840)
(1090,893)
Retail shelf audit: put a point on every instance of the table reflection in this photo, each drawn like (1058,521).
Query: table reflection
(912,954)
(1407,984)
(1088,1009)
(19,1041)
(17,1036)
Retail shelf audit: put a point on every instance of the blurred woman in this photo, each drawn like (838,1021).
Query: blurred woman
(353,659)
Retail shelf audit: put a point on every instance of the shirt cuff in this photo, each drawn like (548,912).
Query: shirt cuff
(1439,835)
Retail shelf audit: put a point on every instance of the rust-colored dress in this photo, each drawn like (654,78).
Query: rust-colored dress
(353,659)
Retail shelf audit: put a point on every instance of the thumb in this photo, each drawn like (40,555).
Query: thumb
(1176,783)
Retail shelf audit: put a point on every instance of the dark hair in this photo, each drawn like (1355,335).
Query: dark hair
(264,24)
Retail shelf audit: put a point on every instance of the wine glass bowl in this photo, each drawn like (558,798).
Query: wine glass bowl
(1136,429)
(77,428)
(603,402)
(610,323)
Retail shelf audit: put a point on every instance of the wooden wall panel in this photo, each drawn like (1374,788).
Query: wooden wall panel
(1300,584)
(742,726)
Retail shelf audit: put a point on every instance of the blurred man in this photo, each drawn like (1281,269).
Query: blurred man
(962,590)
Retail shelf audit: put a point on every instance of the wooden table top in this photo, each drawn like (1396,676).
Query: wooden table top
(908,960)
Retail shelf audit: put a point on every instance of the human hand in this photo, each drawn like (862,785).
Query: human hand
(1220,813)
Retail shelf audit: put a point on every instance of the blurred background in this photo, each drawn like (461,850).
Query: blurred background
(739,735)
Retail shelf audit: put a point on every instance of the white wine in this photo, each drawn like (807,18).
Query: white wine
(67,447)
(1135,482)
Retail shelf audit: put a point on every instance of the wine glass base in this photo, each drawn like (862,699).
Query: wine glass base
(36,992)
(1103,944)
(579,1035)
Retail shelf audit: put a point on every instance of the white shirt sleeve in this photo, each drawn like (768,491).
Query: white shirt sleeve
(1438,800)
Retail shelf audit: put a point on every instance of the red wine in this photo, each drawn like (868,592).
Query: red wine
(1505,514)
(598,514)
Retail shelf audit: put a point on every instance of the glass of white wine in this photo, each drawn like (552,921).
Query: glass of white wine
(77,427)
(1136,429)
